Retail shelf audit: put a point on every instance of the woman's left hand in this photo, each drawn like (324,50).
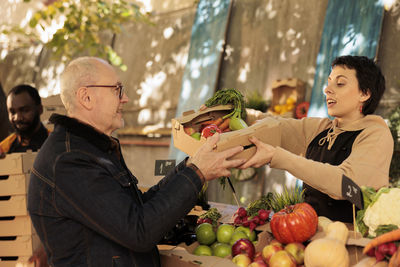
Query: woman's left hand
(263,155)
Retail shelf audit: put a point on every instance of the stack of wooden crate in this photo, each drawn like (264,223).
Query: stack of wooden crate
(18,239)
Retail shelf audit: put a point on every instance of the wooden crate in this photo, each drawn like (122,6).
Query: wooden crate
(17,163)
(21,246)
(51,104)
(16,226)
(285,88)
(13,206)
(21,261)
(14,185)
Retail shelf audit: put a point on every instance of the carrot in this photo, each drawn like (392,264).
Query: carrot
(218,121)
(382,239)
(225,124)
(208,122)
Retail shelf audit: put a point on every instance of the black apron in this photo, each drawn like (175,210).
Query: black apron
(324,205)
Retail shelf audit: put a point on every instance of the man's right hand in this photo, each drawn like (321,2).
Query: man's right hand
(213,164)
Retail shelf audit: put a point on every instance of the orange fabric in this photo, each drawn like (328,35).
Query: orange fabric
(6,143)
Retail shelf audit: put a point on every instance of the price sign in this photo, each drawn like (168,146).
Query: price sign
(352,192)
(164,166)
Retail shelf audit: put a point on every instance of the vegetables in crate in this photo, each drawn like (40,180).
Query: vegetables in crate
(235,98)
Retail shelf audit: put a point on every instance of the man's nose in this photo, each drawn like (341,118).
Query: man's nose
(17,116)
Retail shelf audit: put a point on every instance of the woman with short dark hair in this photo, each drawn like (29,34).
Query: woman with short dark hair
(322,151)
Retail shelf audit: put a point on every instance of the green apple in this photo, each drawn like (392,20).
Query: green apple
(196,135)
(225,232)
(214,245)
(236,236)
(250,234)
(205,234)
(222,250)
(202,250)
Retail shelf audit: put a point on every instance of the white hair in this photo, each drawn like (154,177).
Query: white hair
(78,73)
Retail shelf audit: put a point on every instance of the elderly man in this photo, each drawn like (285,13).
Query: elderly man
(83,200)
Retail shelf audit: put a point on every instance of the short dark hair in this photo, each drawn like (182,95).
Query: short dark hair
(369,76)
(32,91)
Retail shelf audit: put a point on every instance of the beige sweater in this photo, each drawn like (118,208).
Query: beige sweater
(368,163)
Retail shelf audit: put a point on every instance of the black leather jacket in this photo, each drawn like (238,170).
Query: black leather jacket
(86,207)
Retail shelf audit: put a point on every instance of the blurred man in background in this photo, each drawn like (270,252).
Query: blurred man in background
(24,108)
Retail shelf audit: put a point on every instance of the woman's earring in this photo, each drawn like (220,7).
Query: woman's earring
(361,109)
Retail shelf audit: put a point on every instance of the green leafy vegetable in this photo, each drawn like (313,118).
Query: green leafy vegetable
(288,197)
(229,97)
(212,214)
(384,228)
(263,203)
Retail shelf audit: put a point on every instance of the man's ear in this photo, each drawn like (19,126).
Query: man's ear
(84,98)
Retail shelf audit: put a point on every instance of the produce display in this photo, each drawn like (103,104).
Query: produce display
(297,236)
(384,247)
(224,240)
(261,210)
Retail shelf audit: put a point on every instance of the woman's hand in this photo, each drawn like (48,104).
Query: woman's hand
(263,155)
(213,164)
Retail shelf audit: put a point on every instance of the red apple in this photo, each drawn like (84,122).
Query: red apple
(243,246)
(258,256)
(282,259)
(274,241)
(297,251)
(258,264)
(270,250)
(258,261)
(241,260)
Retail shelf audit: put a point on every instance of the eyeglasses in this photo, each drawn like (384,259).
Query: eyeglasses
(118,87)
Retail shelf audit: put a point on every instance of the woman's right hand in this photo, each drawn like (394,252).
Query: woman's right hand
(263,155)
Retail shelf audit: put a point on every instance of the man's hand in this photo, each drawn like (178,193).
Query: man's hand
(263,155)
(39,257)
(213,164)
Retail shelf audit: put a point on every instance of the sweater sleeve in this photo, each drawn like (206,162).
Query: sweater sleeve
(295,134)
(368,164)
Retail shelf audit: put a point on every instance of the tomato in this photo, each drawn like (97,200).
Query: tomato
(295,223)
(210,130)
(301,110)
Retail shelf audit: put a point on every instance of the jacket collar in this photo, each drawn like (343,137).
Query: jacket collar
(86,131)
